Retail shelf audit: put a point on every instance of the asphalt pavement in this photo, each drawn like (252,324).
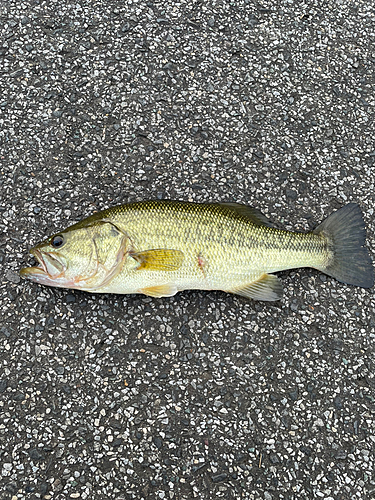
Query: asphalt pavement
(205,394)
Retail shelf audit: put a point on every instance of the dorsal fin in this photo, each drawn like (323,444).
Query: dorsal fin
(251,213)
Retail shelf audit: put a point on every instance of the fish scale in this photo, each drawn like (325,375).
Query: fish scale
(161,247)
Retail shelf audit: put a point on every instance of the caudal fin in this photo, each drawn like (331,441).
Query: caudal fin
(346,233)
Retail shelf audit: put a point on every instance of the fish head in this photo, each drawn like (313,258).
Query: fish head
(84,258)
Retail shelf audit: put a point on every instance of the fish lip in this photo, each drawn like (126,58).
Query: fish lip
(30,272)
(38,255)
(48,266)
(35,271)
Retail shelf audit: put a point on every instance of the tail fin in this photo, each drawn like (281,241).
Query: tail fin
(346,233)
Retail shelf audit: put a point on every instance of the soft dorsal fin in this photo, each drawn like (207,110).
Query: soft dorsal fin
(251,213)
(266,287)
(162,259)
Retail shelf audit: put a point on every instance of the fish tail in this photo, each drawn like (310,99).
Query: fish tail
(345,234)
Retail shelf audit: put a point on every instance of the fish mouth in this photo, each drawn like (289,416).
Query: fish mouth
(49,268)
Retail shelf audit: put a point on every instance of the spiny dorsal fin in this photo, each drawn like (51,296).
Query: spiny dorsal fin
(161,259)
(266,287)
(251,213)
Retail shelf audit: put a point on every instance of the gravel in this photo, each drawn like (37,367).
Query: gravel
(202,395)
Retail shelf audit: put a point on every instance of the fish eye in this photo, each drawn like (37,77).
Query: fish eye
(57,241)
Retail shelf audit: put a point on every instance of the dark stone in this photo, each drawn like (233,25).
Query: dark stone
(108,464)
(274,459)
(340,455)
(205,338)
(158,442)
(306,450)
(117,442)
(35,454)
(192,63)
(337,401)
(219,477)
(195,468)
(185,330)
(274,482)
(356,427)
(50,321)
(44,489)
(11,487)
(259,154)
(291,194)
(12,277)
(67,389)
(293,395)
(5,331)
(294,306)
(273,397)
(310,387)
(18,396)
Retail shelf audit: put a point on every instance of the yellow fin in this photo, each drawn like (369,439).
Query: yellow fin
(267,287)
(160,290)
(159,260)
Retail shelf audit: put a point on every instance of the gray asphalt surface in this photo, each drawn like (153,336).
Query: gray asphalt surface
(202,395)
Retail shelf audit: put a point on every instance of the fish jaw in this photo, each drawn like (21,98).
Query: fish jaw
(50,270)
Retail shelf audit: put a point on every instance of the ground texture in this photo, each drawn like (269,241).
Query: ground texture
(202,395)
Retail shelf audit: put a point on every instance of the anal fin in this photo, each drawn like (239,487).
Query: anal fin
(167,290)
(267,287)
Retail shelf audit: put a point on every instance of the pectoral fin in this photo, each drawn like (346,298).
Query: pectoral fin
(160,291)
(159,260)
(267,287)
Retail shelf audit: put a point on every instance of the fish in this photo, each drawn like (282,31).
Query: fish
(159,248)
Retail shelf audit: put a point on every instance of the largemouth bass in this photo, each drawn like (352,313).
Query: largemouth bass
(159,248)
